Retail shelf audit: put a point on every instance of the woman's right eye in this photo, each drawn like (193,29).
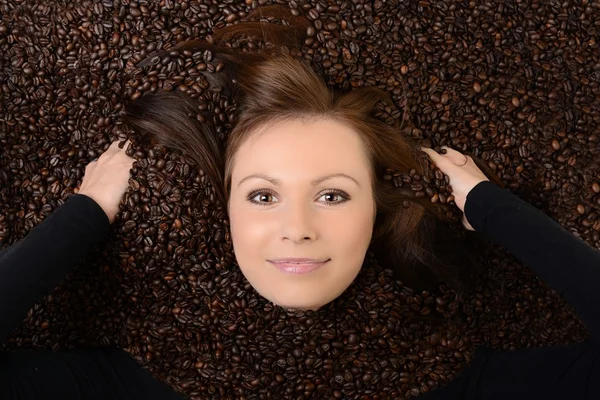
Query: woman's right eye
(260,197)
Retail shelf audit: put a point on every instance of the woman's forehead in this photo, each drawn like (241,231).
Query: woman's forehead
(295,146)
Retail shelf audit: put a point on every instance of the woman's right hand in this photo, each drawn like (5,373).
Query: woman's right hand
(464,176)
(106,179)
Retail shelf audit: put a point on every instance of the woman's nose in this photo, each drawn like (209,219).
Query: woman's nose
(299,223)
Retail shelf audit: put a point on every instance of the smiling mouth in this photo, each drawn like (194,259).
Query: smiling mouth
(298,268)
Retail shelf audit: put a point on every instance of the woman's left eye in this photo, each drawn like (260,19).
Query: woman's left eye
(342,197)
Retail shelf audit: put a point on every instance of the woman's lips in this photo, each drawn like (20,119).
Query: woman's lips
(298,268)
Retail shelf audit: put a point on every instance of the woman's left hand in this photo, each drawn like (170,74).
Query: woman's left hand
(107,178)
(464,175)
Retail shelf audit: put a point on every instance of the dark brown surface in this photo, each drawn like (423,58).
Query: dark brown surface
(516,85)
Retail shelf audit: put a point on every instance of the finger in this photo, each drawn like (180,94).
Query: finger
(435,156)
(125,146)
(113,148)
(455,156)
(431,152)
(451,150)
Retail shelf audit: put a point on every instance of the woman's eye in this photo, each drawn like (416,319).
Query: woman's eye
(260,198)
(334,197)
(330,198)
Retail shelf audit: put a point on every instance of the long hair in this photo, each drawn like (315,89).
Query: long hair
(271,85)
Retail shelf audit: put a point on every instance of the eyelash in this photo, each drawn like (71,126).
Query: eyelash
(340,193)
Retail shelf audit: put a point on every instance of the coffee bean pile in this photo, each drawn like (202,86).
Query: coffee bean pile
(514,83)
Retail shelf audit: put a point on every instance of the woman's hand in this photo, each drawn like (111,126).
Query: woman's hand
(107,178)
(464,176)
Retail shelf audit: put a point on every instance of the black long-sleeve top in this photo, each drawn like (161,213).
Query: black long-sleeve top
(34,266)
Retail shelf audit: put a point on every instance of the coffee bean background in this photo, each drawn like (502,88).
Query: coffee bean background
(513,82)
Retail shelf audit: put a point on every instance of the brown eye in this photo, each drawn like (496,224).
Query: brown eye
(331,196)
(260,197)
(264,197)
(334,197)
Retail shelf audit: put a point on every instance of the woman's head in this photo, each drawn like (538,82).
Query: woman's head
(301,188)
(291,131)
(294,129)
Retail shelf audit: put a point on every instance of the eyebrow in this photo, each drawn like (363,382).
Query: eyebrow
(277,182)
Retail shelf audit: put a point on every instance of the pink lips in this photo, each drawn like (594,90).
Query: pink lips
(302,266)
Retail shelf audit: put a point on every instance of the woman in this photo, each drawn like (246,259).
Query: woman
(568,264)
(277,158)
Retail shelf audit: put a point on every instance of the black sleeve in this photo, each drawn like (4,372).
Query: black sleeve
(82,374)
(35,265)
(566,263)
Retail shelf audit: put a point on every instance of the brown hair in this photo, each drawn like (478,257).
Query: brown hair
(272,85)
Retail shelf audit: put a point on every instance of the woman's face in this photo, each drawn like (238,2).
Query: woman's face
(301,190)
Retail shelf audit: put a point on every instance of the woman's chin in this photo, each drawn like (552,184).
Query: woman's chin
(298,306)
